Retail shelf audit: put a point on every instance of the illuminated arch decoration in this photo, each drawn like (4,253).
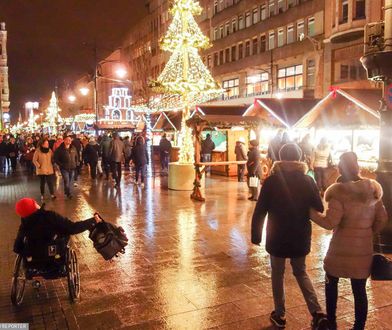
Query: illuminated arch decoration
(116,114)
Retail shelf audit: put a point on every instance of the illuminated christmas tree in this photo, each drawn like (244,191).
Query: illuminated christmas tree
(52,114)
(185,76)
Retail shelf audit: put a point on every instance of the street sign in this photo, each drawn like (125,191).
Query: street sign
(388,96)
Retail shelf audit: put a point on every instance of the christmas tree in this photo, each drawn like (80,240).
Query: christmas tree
(52,114)
(185,75)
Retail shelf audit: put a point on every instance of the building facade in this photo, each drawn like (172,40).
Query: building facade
(264,48)
(4,87)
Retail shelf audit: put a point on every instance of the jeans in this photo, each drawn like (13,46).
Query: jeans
(2,163)
(49,180)
(13,163)
(116,171)
(358,287)
(68,176)
(206,158)
(299,270)
(320,174)
(142,170)
(93,169)
(241,172)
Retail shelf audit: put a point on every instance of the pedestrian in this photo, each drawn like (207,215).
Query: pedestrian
(287,197)
(207,146)
(307,150)
(355,212)
(116,157)
(43,162)
(105,152)
(320,163)
(240,155)
(140,159)
(77,144)
(13,153)
(3,154)
(91,152)
(274,146)
(253,167)
(67,158)
(127,153)
(28,154)
(58,142)
(164,153)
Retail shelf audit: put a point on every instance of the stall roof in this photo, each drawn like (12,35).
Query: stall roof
(281,112)
(167,121)
(344,109)
(225,122)
(222,110)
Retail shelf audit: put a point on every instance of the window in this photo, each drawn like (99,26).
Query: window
(280,37)
(271,42)
(300,29)
(216,58)
(241,22)
(263,44)
(248,19)
(233,53)
(263,12)
(227,28)
(216,34)
(310,74)
(227,55)
(351,71)
(344,12)
(231,88)
(221,5)
(255,16)
(271,8)
(257,84)
(247,48)
(290,34)
(240,51)
(343,71)
(360,6)
(221,60)
(215,6)
(281,7)
(221,31)
(116,114)
(255,45)
(209,61)
(291,3)
(311,26)
(290,78)
(234,25)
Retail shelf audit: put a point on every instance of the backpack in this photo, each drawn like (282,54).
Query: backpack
(109,240)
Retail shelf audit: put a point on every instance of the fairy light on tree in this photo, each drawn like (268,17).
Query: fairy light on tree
(52,114)
(185,74)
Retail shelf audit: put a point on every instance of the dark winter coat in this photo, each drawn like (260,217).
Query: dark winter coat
(164,147)
(207,146)
(253,164)
(139,153)
(43,225)
(287,197)
(240,153)
(91,152)
(3,149)
(105,147)
(12,150)
(116,150)
(66,159)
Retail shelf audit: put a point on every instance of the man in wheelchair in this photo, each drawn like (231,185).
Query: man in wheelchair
(43,235)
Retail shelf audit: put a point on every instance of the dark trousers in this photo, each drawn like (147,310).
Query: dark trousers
(164,161)
(77,171)
(49,180)
(93,169)
(106,166)
(13,163)
(320,174)
(116,171)
(140,169)
(68,176)
(360,300)
(2,163)
(127,162)
(241,172)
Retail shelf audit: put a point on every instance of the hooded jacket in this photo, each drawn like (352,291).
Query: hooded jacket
(287,197)
(355,212)
(92,151)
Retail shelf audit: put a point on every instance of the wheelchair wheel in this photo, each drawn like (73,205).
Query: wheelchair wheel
(73,275)
(18,282)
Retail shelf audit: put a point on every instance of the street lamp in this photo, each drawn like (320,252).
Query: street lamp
(84,91)
(71,98)
(121,73)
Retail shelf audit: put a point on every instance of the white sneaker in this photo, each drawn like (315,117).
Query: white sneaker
(75,184)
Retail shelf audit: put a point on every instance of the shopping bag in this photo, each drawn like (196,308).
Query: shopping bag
(253,182)
(99,166)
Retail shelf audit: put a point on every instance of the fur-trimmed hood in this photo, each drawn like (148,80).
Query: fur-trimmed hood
(365,191)
(289,166)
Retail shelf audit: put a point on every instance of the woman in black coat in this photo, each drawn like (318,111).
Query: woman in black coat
(253,166)
(91,152)
(13,152)
(140,159)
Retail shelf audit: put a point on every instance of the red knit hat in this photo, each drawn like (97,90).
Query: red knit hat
(26,207)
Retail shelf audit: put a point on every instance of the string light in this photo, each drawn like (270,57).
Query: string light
(52,114)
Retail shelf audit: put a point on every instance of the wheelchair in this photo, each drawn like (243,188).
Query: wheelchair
(49,261)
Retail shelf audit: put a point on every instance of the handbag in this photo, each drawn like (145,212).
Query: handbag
(109,240)
(381,268)
(253,181)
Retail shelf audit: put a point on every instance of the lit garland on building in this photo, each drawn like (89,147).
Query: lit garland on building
(185,77)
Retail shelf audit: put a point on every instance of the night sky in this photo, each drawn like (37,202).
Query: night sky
(46,41)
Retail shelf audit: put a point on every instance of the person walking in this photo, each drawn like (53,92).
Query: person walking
(287,197)
(240,155)
(67,158)
(116,157)
(320,163)
(253,167)
(140,159)
(77,144)
(207,147)
(127,153)
(355,212)
(3,154)
(164,153)
(28,154)
(91,153)
(274,146)
(43,162)
(105,152)
(307,150)
(13,152)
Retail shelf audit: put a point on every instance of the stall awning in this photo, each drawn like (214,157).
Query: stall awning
(281,112)
(115,126)
(221,110)
(344,109)
(224,122)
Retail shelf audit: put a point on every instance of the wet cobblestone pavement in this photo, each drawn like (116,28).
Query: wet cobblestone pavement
(188,265)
